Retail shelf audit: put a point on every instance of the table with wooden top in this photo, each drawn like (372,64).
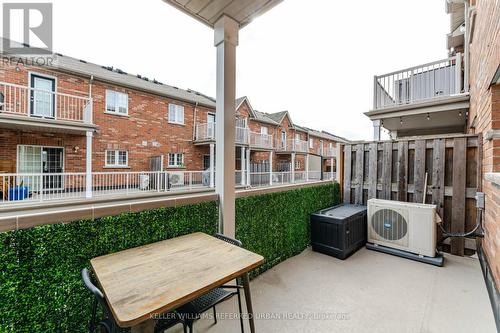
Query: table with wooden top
(155,278)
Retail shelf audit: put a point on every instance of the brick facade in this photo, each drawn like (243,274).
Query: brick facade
(484,115)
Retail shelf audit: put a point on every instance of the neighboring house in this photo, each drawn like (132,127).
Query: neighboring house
(78,117)
(460,94)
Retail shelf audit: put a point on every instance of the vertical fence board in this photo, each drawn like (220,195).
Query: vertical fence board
(372,177)
(360,154)
(347,174)
(419,165)
(438,175)
(402,170)
(458,201)
(386,171)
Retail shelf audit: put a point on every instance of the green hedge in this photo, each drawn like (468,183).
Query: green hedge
(40,286)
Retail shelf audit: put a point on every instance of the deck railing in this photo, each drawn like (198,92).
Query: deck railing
(30,102)
(294,145)
(206,132)
(39,187)
(326,152)
(261,140)
(418,84)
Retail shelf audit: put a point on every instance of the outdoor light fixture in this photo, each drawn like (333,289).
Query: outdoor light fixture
(428,117)
(401,120)
(460,113)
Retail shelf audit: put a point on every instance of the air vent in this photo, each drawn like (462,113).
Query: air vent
(81,60)
(119,71)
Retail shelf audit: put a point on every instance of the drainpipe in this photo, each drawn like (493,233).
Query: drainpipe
(88,147)
(195,112)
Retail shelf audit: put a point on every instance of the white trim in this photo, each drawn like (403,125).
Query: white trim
(175,160)
(116,165)
(176,122)
(41,146)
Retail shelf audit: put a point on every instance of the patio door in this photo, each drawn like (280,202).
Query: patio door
(42,96)
(40,163)
(211,125)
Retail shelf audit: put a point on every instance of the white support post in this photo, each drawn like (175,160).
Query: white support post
(331,168)
(243,165)
(225,40)
(293,167)
(307,167)
(249,182)
(88,165)
(337,159)
(212,148)
(270,168)
(376,130)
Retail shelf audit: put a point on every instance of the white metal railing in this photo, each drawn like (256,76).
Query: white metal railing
(294,145)
(39,187)
(420,83)
(25,101)
(206,132)
(326,152)
(261,140)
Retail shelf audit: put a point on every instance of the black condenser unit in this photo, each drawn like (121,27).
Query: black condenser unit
(339,231)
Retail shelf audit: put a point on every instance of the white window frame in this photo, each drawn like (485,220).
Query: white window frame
(176,165)
(117,155)
(173,110)
(264,130)
(311,143)
(116,112)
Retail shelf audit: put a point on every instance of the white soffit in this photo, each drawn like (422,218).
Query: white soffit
(209,11)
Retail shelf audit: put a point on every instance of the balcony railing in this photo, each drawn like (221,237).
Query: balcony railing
(206,132)
(22,188)
(30,102)
(261,140)
(326,152)
(418,84)
(294,145)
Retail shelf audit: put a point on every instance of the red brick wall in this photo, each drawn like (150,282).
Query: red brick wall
(485,112)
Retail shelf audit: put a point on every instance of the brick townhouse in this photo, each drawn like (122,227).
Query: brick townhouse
(53,117)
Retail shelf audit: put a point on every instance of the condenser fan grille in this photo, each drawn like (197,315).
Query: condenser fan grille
(389,224)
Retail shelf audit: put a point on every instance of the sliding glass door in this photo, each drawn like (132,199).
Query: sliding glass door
(40,163)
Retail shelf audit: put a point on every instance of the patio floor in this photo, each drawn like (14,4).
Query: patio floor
(368,292)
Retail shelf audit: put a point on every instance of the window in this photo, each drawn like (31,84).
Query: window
(263,130)
(176,114)
(311,143)
(116,102)
(116,158)
(175,160)
(297,137)
(297,165)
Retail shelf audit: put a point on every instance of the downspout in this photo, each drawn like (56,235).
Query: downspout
(195,112)
(466,46)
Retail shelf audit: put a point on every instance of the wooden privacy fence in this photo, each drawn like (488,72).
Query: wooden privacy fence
(396,170)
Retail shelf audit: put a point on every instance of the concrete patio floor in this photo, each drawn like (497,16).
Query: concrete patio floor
(368,292)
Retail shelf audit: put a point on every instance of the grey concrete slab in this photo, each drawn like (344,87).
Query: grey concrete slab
(368,292)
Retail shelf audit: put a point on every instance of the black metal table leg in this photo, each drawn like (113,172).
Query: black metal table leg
(248,301)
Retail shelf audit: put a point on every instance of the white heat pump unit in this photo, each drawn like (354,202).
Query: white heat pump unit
(406,226)
(176,178)
(144,182)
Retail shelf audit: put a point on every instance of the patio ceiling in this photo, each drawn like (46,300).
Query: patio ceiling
(209,11)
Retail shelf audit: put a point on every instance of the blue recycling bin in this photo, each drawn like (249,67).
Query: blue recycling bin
(18,193)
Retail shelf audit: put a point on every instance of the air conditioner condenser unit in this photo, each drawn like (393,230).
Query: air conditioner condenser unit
(405,229)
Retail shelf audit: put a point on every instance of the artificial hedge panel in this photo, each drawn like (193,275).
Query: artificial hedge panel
(40,284)
(276,225)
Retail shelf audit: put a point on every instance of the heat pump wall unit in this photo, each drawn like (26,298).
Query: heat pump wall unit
(404,226)
(176,178)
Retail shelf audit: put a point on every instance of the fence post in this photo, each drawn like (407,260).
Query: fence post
(127,183)
(458,73)
(190,180)
(374,92)
(41,187)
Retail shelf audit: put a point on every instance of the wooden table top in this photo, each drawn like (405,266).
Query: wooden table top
(159,277)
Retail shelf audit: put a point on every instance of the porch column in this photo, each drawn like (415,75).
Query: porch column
(293,168)
(376,130)
(88,165)
(249,183)
(270,168)
(225,40)
(242,165)
(331,168)
(337,160)
(212,148)
(307,167)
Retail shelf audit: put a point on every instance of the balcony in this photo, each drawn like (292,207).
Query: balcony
(261,140)
(425,99)
(29,108)
(294,145)
(326,152)
(205,132)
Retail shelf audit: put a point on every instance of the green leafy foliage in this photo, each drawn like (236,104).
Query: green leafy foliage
(40,284)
